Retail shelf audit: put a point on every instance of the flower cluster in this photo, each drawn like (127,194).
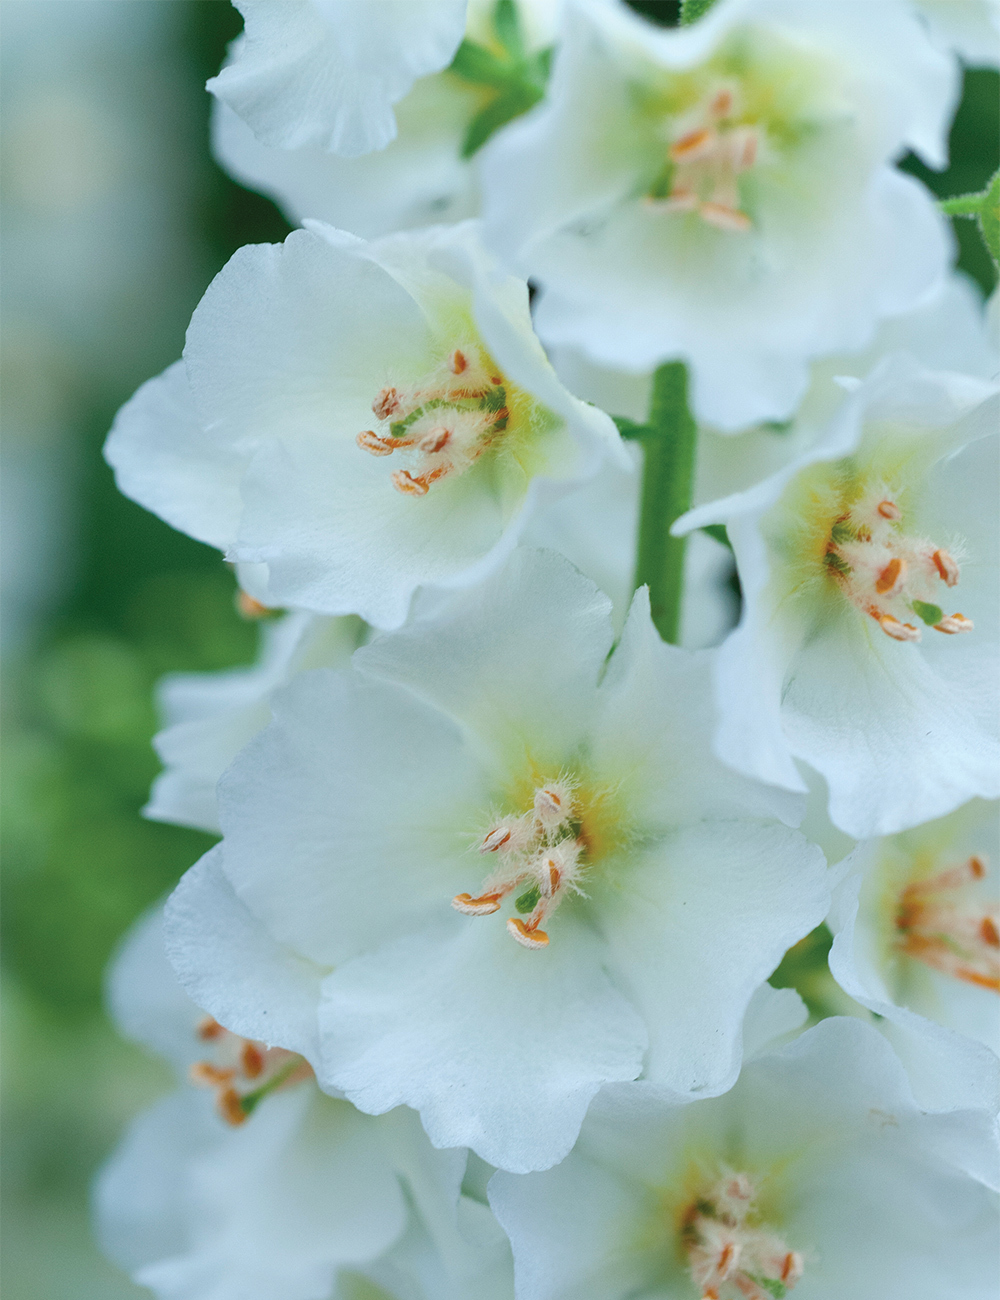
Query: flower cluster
(474,997)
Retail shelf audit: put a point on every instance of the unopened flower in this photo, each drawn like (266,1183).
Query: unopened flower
(520,864)
(853,652)
(815,1176)
(724,193)
(361,419)
(426,174)
(209,717)
(283,1193)
(327,72)
(916,926)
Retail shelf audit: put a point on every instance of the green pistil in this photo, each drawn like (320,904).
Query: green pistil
(251,1100)
(772,1285)
(528,901)
(492,401)
(842,532)
(930,614)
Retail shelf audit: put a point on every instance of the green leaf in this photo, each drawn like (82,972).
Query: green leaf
(692,10)
(962,205)
(718,531)
(510,104)
(528,901)
(630,428)
(930,614)
(989,218)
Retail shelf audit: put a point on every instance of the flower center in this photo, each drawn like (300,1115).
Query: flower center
(709,150)
(444,423)
(888,574)
(948,933)
(538,852)
(243,1072)
(729,1258)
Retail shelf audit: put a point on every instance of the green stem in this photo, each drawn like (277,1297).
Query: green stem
(668,446)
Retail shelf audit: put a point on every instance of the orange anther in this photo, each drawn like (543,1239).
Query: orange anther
(205,1073)
(898,631)
(976,867)
(386,403)
(722,103)
(533,939)
(249,608)
(989,932)
(891,578)
(554,878)
(889,510)
(372,442)
(436,440)
(481,906)
(497,838)
(403,481)
(946,567)
(230,1106)
(252,1060)
(457,362)
(953,624)
(692,145)
(208,1029)
(724,217)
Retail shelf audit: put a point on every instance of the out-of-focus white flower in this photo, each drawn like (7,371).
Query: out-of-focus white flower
(917,940)
(327,72)
(282,1192)
(209,717)
(969,27)
(427,174)
(852,652)
(724,193)
(816,1174)
(404,835)
(361,419)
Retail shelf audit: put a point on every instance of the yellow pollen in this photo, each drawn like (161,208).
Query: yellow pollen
(938,925)
(441,427)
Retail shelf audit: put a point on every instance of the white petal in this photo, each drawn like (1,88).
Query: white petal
(499,1049)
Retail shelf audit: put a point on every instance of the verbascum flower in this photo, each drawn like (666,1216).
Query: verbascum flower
(359,418)
(853,651)
(916,925)
(251,1184)
(500,869)
(724,194)
(428,173)
(327,72)
(816,1175)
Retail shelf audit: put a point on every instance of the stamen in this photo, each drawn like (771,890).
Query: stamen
(457,362)
(705,161)
(386,404)
(897,630)
(727,1257)
(955,936)
(481,906)
(890,580)
(528,938)
(946,567)
(953,624)
(249,608)
(725,218)
(889,510)
(696,144)
(243,1061)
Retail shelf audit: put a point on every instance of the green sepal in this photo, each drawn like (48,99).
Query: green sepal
(692,10)
(985,207)
(718,531)
(528,901)
(930,614)
(507,26)
(630,428)
(511,103)
(481,66)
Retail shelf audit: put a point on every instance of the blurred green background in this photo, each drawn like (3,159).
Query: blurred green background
(115,219)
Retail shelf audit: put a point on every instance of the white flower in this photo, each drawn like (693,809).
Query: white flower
(209,717)
(423,176)
(816,1174)
(361,419)
(853,652)
(724,193)
(327,72)
(488,761)
(282,1192)
(969,27)
(917,941)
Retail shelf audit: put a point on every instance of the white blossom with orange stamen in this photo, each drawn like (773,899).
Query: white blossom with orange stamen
(519,862)
(916,941)
(851,654)
(817,1176)
(725,193)
(323,429)
(282,1193)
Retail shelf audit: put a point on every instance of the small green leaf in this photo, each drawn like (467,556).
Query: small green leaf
(930,614)
(528,901)
(718,531)
(630,428)
(692,10)
(989,218)
(510,104)
(962,205)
